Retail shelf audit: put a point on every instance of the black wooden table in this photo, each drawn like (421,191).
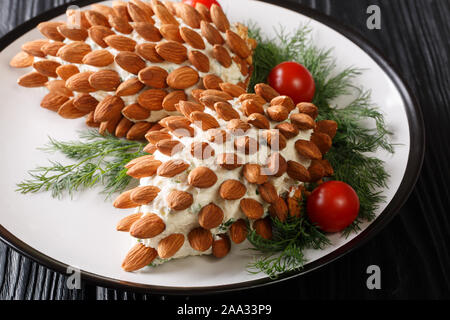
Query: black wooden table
(413,251)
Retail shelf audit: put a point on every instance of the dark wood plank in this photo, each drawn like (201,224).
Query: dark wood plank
(413,251)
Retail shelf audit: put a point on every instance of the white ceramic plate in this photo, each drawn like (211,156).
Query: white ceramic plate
(80,232)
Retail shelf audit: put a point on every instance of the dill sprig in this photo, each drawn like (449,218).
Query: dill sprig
(99,160)
(351,155)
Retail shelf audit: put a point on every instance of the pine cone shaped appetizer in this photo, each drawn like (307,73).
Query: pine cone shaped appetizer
(126,67)
(231,161)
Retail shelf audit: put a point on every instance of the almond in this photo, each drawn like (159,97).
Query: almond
(309,109)
(192,38)
(199,61)
(221,246)
(121,10)
(200,239)
(172,99)
(149,226)
(104,10)
(276,165)
(297,171)
(136,112)
(25,60)
(182,78)
(246,145)
(138,257)
(124,225)
(59,87)
(211,34)
(137,160)
(145,6)
(284,101)
(74,52)
(232,89)
(308,150)
(50,30)
(169,147)
(120,24)
(222,55)
(263,228)
(210,216)
(98,58)
(171,168)
(237,44)
(164,15)
(144,168)
(52,48)
(110,126)
(138,130)
(274,139)
(180,127)
(251,106)
(66,71)
(279,209)
(246,96)
(96,18)
(99,33)
(259,121)
(77,18)
(244,67)
(152,99)
(316,171)
(189,15)
(251,208)
(188,107)
(154,77)
(303,121)
(210,100)
(202,177)
(232,190)
(217,93)
(329,171)
(266,92)
(34,48)
(268,192)
(288,130)
(202,150)
(144,195)
(108,108)
(53,101)
(277,113)
(294,202)
(253,173)
(148,52)
(328,127)
(121,43)
(124,201)
(172,51)
(196,94)
(32,80)
(148,31)
(322,141)
(90,121)
(138,14)
(129,87)
(225,111)
(229,161)
(171,32)
(170,245)
(80,82)
(74,34)
(204,120)
(204,11)
(238,231)
(179,200)
(238,127)
(155,136)
(105,80)
(219,18)
(123,128)
(211,81)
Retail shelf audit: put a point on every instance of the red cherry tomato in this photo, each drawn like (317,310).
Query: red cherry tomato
(333,206)
(294,80)
(207,3)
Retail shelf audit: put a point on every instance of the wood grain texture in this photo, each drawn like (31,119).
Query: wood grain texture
(413,251)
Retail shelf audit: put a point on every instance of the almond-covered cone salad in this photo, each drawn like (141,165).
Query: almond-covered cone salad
(224,166)
(125,67)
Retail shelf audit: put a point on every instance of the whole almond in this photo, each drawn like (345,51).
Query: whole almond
(180,128)
(165,122)
(274,139)
(328,127)
(52,48)
(164,15)
(46,67)
(284,101)
(189,15)
(237,44)
(265,91)
(279,209)
(77,19)
(200,239)
(74,52)
(34,48)
(179,200)
(211,81)
(123,201)
(32,80)
(268,192)
(263,228)
(25,60)
(229,161)
(105,80)
(254,174)
(121,43)
(221,246)
(216,93)
(309,109)
(171,168)
(135,161)
(182,78)
(276,165)
(138,257)
(136,112)
(110,126)
(303,121)
(211,34)
(225,111)
(232,190)
(129,87)
(204,120)
(124,225)
(246,96)
(66,71)
(187,107)
(144,168)
(278,113)
(96,18)
(171,32)
(204,11)
(251,106)
(120,24)
(85,102)
(244,67)
(316,171)
(138,130)
(202,150)
(172,99)
(103,9)
(148,31)
(121,10)
(130,61)
(170,245)
(90,122)
(144,195)
(288,130)
(74,34)
(148,52)
(153,77)
(199,61)
(108,108)
(99,33)
(259,121)
(294,201)
(123,128)
(238,231)
(238,127)
(322,141)
(202,177)
(210,100)
(98,58)
(329,171)
(219,18)
(232,89)
(308,150)
(221,54)
(138,14)
(53,101)
(149,226)
(172,51)
(155,136)
(192,38)
(297,171)
(251,208)
(169,147)
(246,145)
(50,30)
(68,111)
(152,99)
(59,87)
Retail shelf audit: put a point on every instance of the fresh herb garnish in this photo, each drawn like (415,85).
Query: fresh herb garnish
(100,160)
(226,225)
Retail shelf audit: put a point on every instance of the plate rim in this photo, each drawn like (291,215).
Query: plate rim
(410,177)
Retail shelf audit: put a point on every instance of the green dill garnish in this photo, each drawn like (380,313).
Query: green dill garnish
(350,155)
(99,160)
(226,225)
